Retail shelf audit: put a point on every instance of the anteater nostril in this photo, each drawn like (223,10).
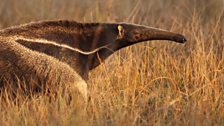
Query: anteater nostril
(184,39)
(181,39)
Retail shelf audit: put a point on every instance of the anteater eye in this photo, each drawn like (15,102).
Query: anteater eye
(120,31)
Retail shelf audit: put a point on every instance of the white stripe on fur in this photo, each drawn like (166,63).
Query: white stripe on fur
(44,41)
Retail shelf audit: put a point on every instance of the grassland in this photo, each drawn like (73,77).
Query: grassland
(152,83)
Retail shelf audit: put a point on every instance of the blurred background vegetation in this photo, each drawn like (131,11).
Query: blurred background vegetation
(156,83)
(137,11)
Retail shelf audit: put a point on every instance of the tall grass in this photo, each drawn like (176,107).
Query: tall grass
(153,83)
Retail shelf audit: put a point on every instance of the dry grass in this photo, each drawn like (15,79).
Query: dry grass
(154,83)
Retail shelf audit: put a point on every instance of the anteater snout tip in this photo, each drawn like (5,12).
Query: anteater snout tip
(184,40)
(181,39)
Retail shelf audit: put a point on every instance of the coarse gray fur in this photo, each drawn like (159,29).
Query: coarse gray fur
(19,64)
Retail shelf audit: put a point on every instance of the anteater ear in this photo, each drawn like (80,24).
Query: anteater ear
(120,29)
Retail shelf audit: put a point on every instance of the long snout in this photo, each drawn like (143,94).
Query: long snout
(142,33)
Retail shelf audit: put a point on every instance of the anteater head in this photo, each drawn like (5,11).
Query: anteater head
(119,35)
(137,33)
